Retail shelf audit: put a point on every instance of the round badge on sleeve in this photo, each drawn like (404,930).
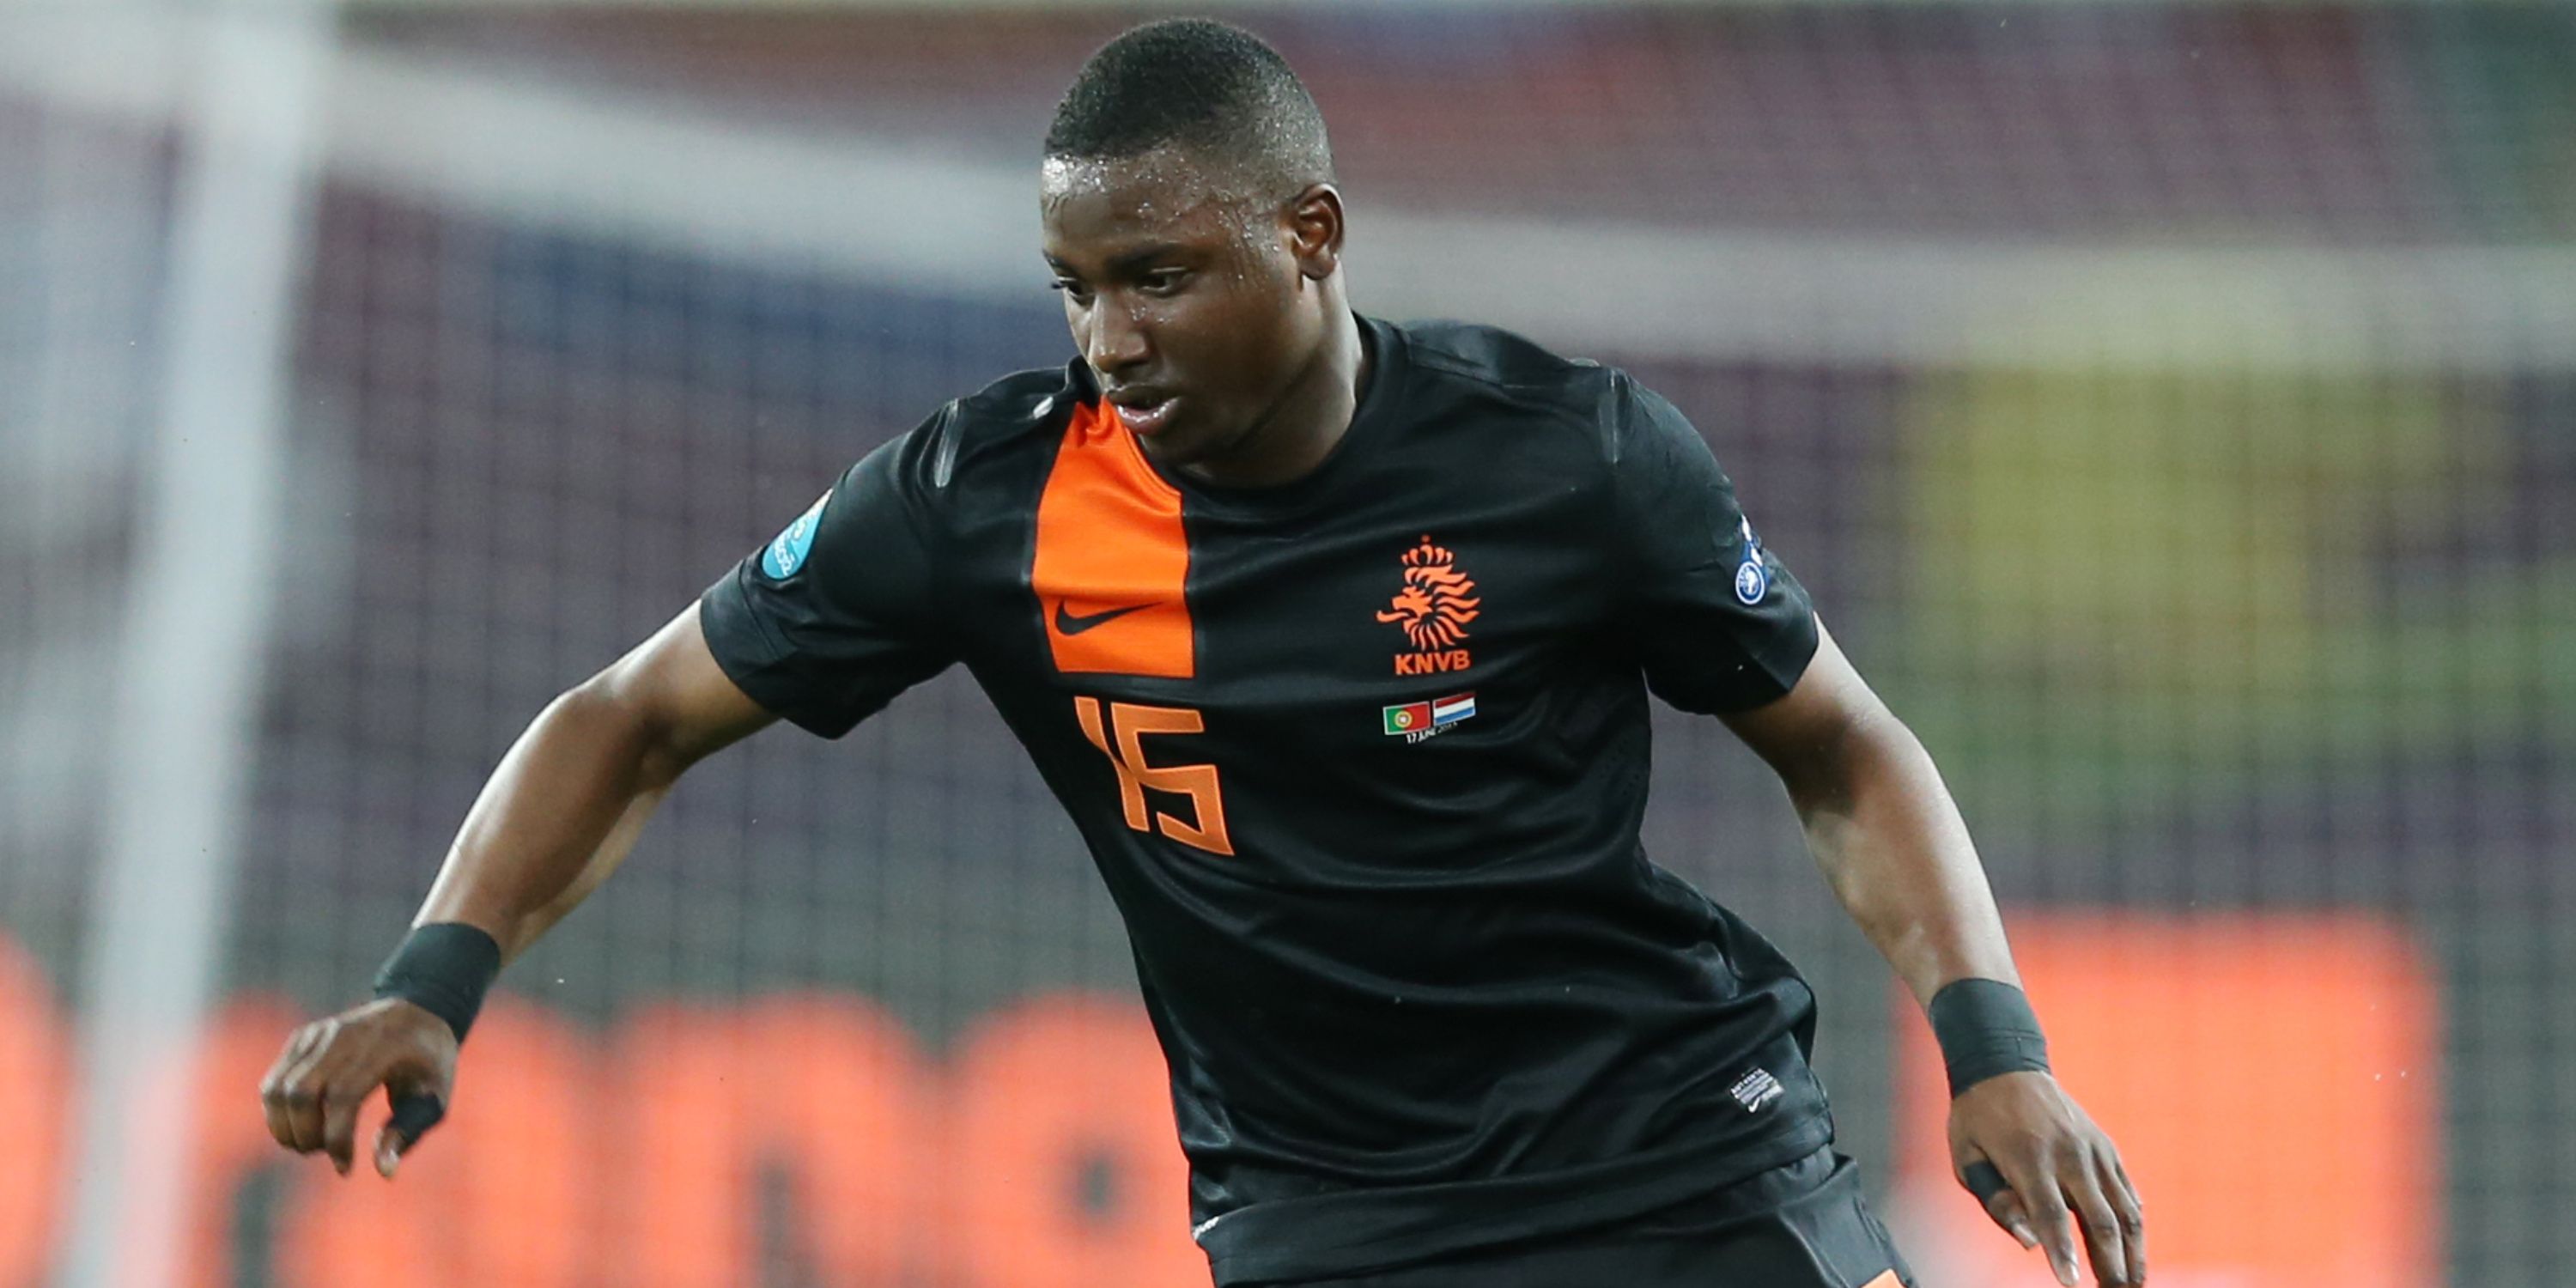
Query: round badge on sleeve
(1752,581)
(787,554)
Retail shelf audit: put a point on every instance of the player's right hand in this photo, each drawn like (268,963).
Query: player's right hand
(330,1067)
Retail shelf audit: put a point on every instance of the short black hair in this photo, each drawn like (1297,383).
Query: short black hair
(1207,87)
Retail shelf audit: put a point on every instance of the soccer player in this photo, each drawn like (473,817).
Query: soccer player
(1335,639)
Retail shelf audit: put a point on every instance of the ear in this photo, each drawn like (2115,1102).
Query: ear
(1313,219)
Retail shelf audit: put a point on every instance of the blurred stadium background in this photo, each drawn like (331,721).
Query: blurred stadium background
(2171,405)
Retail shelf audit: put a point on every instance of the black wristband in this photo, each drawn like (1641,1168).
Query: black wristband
(1986,1028)
(443,968)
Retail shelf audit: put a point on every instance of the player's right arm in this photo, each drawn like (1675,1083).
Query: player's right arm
(821,627)
(566,803)
(555,819)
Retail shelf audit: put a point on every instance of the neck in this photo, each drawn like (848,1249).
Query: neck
(1307,422)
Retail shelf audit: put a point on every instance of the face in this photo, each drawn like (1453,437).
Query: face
(1199,309)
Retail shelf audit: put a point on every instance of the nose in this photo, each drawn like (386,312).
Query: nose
(1115,340)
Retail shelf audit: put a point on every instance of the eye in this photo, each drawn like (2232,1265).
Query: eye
(1165,281)
(1071,290)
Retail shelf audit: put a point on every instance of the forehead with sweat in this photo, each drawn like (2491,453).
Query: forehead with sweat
(1165,192)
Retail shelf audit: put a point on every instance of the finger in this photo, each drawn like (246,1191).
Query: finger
(1986,1182)
(2123,1191)
(341,1099)
(2130,1213)
(303,1096)
(272,1087)
(388,1150)
(2102,1237)
(415,1112)
(2049,1217)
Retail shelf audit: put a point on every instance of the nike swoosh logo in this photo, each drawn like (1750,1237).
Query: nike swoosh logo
(1068,624)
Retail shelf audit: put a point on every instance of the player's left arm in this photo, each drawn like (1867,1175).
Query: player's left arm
(1891,842)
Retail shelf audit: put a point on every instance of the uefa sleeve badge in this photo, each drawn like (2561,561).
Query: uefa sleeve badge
(1752,579)
(787,554)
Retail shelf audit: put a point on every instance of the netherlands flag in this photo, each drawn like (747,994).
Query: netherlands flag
(1451,710)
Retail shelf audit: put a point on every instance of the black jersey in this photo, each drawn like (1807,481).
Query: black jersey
(1362,759)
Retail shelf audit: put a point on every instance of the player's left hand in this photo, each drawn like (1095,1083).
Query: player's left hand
(2056,1171)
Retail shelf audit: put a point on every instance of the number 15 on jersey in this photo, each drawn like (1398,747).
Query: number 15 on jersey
(1121,739)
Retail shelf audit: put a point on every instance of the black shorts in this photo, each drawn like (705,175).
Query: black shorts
(1802,1225)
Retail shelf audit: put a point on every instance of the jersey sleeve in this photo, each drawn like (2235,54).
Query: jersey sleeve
(1715,619)
(841,612)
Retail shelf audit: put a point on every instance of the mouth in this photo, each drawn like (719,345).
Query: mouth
(1144,411)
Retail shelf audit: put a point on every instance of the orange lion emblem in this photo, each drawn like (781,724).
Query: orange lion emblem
(1437,601)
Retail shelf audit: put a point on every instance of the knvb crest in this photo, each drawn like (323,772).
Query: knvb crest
(1434,608)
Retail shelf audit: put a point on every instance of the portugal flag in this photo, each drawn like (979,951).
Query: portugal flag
(1408,718)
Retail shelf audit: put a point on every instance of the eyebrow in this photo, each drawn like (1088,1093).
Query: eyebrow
(1139,258)
(1130,262)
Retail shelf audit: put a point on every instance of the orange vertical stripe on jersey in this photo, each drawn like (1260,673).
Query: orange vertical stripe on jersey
(1112,560)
